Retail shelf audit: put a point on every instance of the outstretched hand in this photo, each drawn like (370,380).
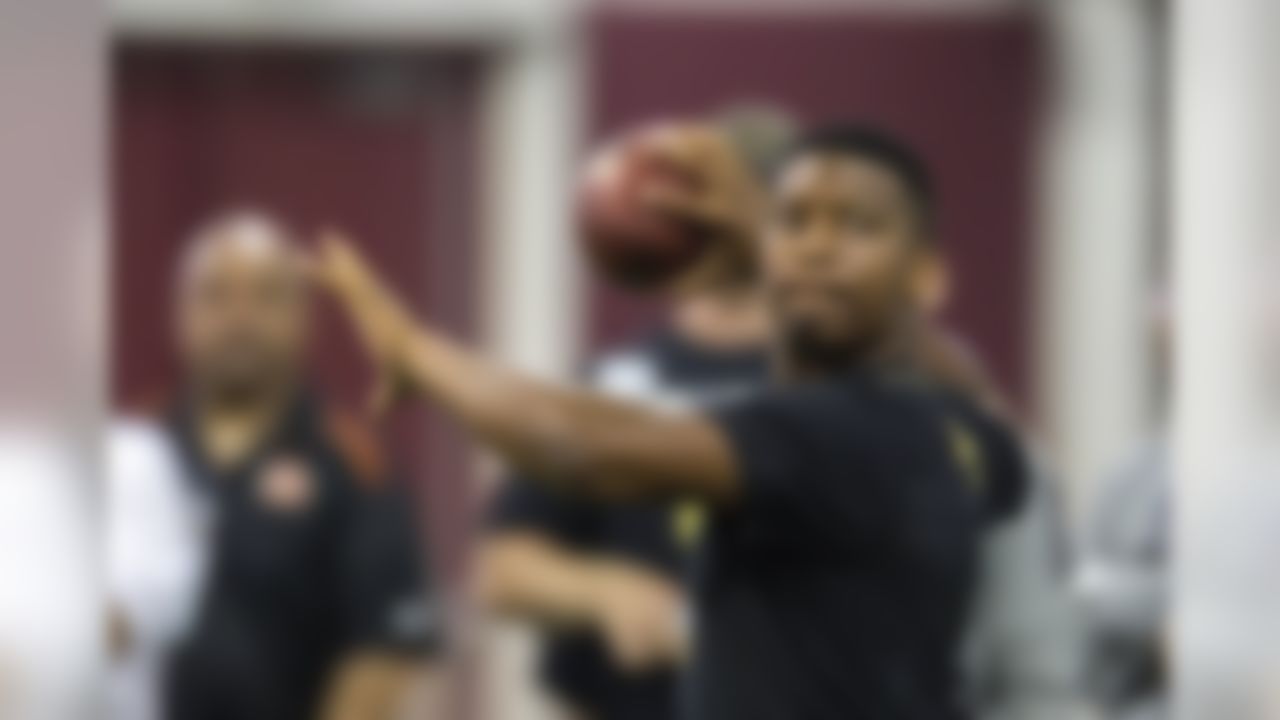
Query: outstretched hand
(725,200)
(383,324)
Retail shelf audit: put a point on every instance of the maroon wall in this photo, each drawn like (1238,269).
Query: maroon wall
(962,90)
(378,144)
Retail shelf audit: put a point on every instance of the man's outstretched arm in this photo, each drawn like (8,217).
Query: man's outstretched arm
(579,440)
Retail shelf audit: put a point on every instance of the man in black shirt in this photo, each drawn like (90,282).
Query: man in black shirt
(605,583)
(304,591)
(847,501)
(314,577)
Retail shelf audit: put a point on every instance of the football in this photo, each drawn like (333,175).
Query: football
(626,239)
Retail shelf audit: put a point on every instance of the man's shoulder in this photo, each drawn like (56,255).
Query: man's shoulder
(628,370)
(990,448)
(849,396)
(888,415)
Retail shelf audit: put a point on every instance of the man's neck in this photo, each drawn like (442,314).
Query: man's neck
(231,426)
(894,349)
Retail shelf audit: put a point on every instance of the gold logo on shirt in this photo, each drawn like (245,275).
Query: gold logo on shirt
(286,484)
(967,454)
(687,522)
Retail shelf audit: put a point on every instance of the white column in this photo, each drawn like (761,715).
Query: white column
(1225,207)
(1093,261)
(532,289)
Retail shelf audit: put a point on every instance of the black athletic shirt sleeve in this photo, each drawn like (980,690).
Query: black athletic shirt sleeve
(387,596)
(802,459)
(1008,468)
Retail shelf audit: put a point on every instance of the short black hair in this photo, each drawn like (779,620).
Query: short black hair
(871,143)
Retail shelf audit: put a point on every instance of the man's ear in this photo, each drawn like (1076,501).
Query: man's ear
(931,283)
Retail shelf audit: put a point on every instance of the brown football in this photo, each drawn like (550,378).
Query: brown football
(630,243)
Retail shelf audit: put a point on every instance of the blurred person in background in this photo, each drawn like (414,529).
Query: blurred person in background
(261,564)
(1123,577)
(606,581)
(846,502)
(1021,656)
(50,616)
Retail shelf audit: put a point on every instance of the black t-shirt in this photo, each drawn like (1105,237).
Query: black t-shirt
(665,369)
(837,586)
(312,555)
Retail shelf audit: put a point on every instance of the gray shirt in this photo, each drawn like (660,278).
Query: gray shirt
(1023,651)
(1122,586)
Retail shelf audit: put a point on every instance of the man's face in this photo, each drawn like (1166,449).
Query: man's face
(243,314)
(842,254)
